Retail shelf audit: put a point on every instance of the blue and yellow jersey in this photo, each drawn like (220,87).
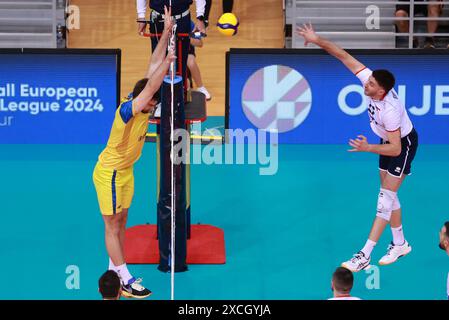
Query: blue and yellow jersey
(127,137)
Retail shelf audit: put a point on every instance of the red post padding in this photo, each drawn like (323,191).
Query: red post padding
(206,245)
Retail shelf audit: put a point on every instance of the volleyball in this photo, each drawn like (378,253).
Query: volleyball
(228,24)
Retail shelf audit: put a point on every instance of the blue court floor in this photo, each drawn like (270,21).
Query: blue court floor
(285,234)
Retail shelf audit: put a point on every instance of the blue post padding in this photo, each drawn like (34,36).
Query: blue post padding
(165,178)
(177,79)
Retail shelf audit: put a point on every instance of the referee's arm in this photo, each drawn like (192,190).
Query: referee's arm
(141,6)
(200,9)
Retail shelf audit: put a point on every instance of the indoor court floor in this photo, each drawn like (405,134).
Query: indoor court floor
(285,234)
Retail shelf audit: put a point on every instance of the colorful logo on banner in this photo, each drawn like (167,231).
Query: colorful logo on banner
(276,98)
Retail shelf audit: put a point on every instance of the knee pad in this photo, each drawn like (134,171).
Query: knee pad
(385,203)
(396,203)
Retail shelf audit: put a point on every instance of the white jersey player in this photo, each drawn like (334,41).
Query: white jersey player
(397,148)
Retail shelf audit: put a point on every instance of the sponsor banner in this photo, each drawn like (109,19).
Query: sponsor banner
(310,97)
(57,97)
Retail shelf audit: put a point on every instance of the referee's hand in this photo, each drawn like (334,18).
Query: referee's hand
(200,26)
(141,26)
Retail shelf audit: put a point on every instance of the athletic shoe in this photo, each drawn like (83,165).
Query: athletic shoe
(205,92)
(394,253)
(135,290)
(357,263)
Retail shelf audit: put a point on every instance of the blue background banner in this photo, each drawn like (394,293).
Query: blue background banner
(58,97)
(337,111)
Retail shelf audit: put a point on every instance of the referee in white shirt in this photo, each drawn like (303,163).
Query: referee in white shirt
(180,10)
(397,149)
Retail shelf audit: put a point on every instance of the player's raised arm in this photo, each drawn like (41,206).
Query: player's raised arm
(159,53)
(154,83)
(309,35)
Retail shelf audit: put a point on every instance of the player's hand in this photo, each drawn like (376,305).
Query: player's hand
(141,26)
(168,22)
(307,32)
(170,57)
(359,145)
(200,26)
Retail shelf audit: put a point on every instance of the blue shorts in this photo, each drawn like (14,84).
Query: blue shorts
(402,164)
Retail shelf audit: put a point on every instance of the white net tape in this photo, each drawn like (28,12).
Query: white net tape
(172,47)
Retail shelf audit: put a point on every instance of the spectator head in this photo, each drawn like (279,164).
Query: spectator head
(110,285)
(444,237)
(342,281)
(380,83)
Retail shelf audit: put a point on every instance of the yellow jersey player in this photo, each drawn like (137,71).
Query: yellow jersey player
(113,174)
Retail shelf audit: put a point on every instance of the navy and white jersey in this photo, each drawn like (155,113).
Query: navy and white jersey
(388,114)
(178,6)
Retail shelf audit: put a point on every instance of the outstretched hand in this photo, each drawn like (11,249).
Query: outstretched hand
(170,56)
(307,32)
(168,19)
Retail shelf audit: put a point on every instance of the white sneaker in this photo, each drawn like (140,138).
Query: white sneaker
(357,263)
(205,92)
(394,253)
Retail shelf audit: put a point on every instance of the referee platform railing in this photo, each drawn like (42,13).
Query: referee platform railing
(363,24)
(32,23)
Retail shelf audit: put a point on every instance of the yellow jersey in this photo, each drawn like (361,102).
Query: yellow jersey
(127,137)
